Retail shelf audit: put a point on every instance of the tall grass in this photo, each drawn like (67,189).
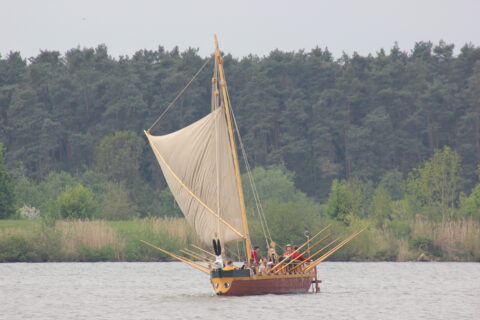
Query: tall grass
(89,240)
(99,240)
(455,240)
(76,240)
(169,233)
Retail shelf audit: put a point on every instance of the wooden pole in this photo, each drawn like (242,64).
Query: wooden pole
(223,87)
(313,255)
(308,250)
(317,287)
(332,251)
(303,245)
(203,250)
(194,255)
(185,260)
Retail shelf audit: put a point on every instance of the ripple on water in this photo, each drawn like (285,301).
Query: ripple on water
(174,291)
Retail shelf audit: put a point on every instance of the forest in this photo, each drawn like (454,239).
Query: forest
(390,140)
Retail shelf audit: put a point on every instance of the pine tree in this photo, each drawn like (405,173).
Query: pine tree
(7,193)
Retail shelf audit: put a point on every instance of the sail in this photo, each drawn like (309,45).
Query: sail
(190,159)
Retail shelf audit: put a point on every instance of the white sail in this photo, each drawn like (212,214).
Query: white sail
(189,160)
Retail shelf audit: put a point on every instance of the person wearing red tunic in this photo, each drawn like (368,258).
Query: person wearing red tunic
(288,251)
(254,256)
(297,256)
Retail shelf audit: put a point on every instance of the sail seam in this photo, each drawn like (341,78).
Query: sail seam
(184,186)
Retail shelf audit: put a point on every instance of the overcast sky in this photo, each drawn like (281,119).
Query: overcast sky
(243,26)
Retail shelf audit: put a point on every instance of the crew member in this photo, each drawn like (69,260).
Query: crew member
(288,251)
(296,255)
(254,256)
(229,266)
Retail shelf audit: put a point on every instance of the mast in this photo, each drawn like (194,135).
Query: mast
(223,88)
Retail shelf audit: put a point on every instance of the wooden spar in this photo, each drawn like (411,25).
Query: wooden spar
(197,254)
(313,246)
(303,245)
(223,86)
(332,251)
(337,247)
(185,260)
(313,255)
(194,255)
(203,250)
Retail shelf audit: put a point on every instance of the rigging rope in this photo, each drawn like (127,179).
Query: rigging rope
(258,204)
(179,94)
(256,197)
(263,221)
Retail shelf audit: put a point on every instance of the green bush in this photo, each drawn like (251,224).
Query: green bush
(116,204)
(8,203)
(399,228)
(348,199)
(77,203)
(16,248)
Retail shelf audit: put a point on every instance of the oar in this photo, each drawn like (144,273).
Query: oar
(205,251)
(332,251)
(313,255)
(303,245)
(313,246)
(185,260)
(192,254)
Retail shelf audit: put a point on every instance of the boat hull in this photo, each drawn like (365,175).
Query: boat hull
(237,284)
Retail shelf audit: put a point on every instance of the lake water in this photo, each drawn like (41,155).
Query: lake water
(349,290)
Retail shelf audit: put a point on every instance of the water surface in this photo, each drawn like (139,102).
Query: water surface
(381,290)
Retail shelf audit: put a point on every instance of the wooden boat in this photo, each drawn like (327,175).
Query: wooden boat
(201,167)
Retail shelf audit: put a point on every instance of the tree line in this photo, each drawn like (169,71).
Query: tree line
(337,126)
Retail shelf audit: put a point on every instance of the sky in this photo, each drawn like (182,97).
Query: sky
(244,27)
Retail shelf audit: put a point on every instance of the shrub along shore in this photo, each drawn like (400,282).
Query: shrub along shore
(100,240)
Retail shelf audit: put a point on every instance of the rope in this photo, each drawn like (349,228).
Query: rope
(261,214)
(179,94)
(258,203)
(256,197)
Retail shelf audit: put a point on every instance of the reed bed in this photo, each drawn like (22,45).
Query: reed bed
(99,240)
(78,235)
(421,240)
(172,228)
(457,239)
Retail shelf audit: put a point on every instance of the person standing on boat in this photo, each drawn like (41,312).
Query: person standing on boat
(296,255)
(263,269)
(272,253)
(254,256)
(288,251)
(297,259)
(286,256)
